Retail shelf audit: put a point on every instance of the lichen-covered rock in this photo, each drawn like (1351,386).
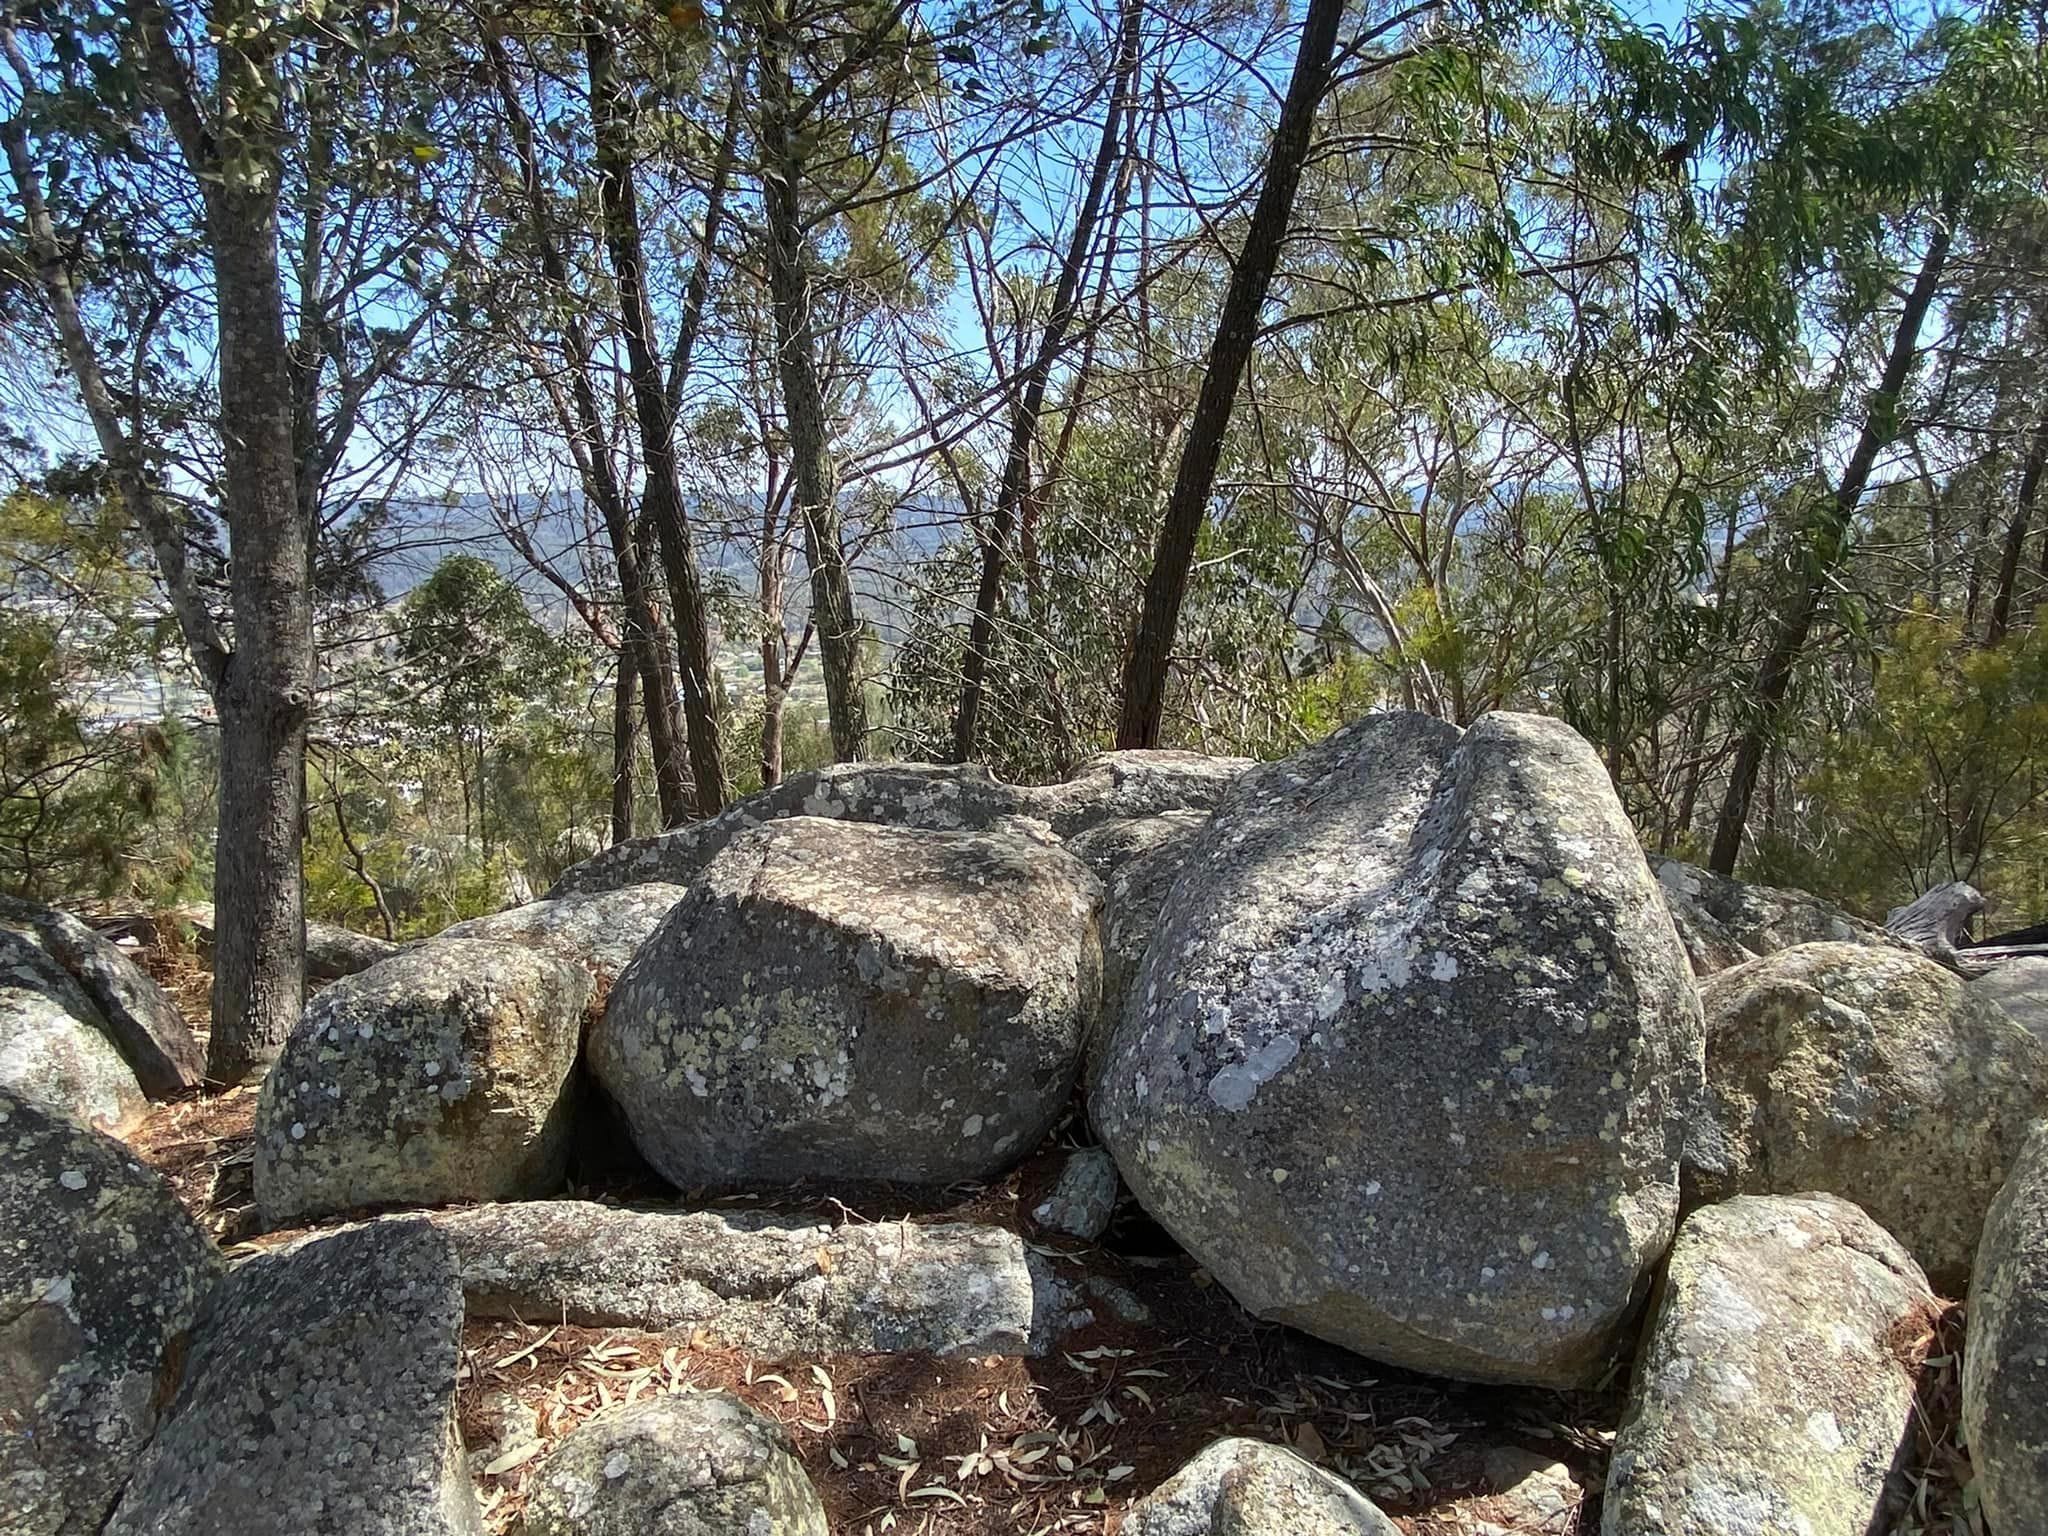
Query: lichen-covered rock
(599,932)
(140,1018)
(101,1276)
(2005,1352)
(1409,1060)
(1872,1074)
(1710,945)
(1137,861)
(1241,1487)
(440,1074)
(687,1464)
(54,1049)
(318,1398)
(773,1286)
(1775,1386)
(1117,786)
(928,797)
(2019,986)
(1084,1198)
(856,1003)
(1762,919)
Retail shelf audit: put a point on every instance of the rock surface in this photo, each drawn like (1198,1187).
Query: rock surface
(332,951)
(770,1286)
(1775,1386)
(439,1075)
(600,932)
(1243,1487)
(1084,1199)
(140,1018)
(1137,862)
(856,1003)
(1871,1074)
(1411,1055)
(1763,919)
(928,797)
(687,1464)
(2020,987)
(54,1049)
(319,1398)
(2005,1352)
(101,1276)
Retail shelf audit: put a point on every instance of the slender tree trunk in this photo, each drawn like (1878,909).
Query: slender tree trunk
(2016,535)
(259,897)
(610,109)
(624,732)
(646,635)
(1774,678)
(803,403)
(1150,660)
(1016,481)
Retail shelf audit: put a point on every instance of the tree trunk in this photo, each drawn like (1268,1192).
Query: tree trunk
(2016,536)
(1016,482)
(646,636)
(624,688)
(259,897)
(1147,667)
(803,404)
(1774,678)
(610,109)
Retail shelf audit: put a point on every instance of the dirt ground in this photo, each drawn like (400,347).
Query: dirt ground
(1001,1446)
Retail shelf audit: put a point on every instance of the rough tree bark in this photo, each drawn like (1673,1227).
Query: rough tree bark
(1016,481)
(2016,536)
(266,694)
(1151,655)
(1788,640)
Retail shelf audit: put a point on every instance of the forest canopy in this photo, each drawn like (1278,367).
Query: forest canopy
(442,439)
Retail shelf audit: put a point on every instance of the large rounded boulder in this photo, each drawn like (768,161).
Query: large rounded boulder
(2005,1355)
(1872,1074)
(54,1049)
(102,1276)
(864,1004)
(440,1074)
(1409,1060)
(1774,1389)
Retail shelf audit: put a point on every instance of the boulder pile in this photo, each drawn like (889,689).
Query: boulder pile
(1398,1039)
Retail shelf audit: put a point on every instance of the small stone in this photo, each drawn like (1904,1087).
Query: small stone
(1084,1200)
(686,1464)
(1243,1487)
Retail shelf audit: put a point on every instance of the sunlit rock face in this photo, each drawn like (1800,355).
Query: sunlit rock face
(844,1003)
(1409,1060)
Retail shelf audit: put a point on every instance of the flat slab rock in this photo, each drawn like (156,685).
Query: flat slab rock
(2005,1352)
(856,1004)
(440,1074)
(101,1277)
(319,1398)
(2019,986)
(773,1287)
(54,1049)
(1241,1487)
(138,1015)
(687,1464)
(1409,1060)
(1775,1385)
(1872,1074)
